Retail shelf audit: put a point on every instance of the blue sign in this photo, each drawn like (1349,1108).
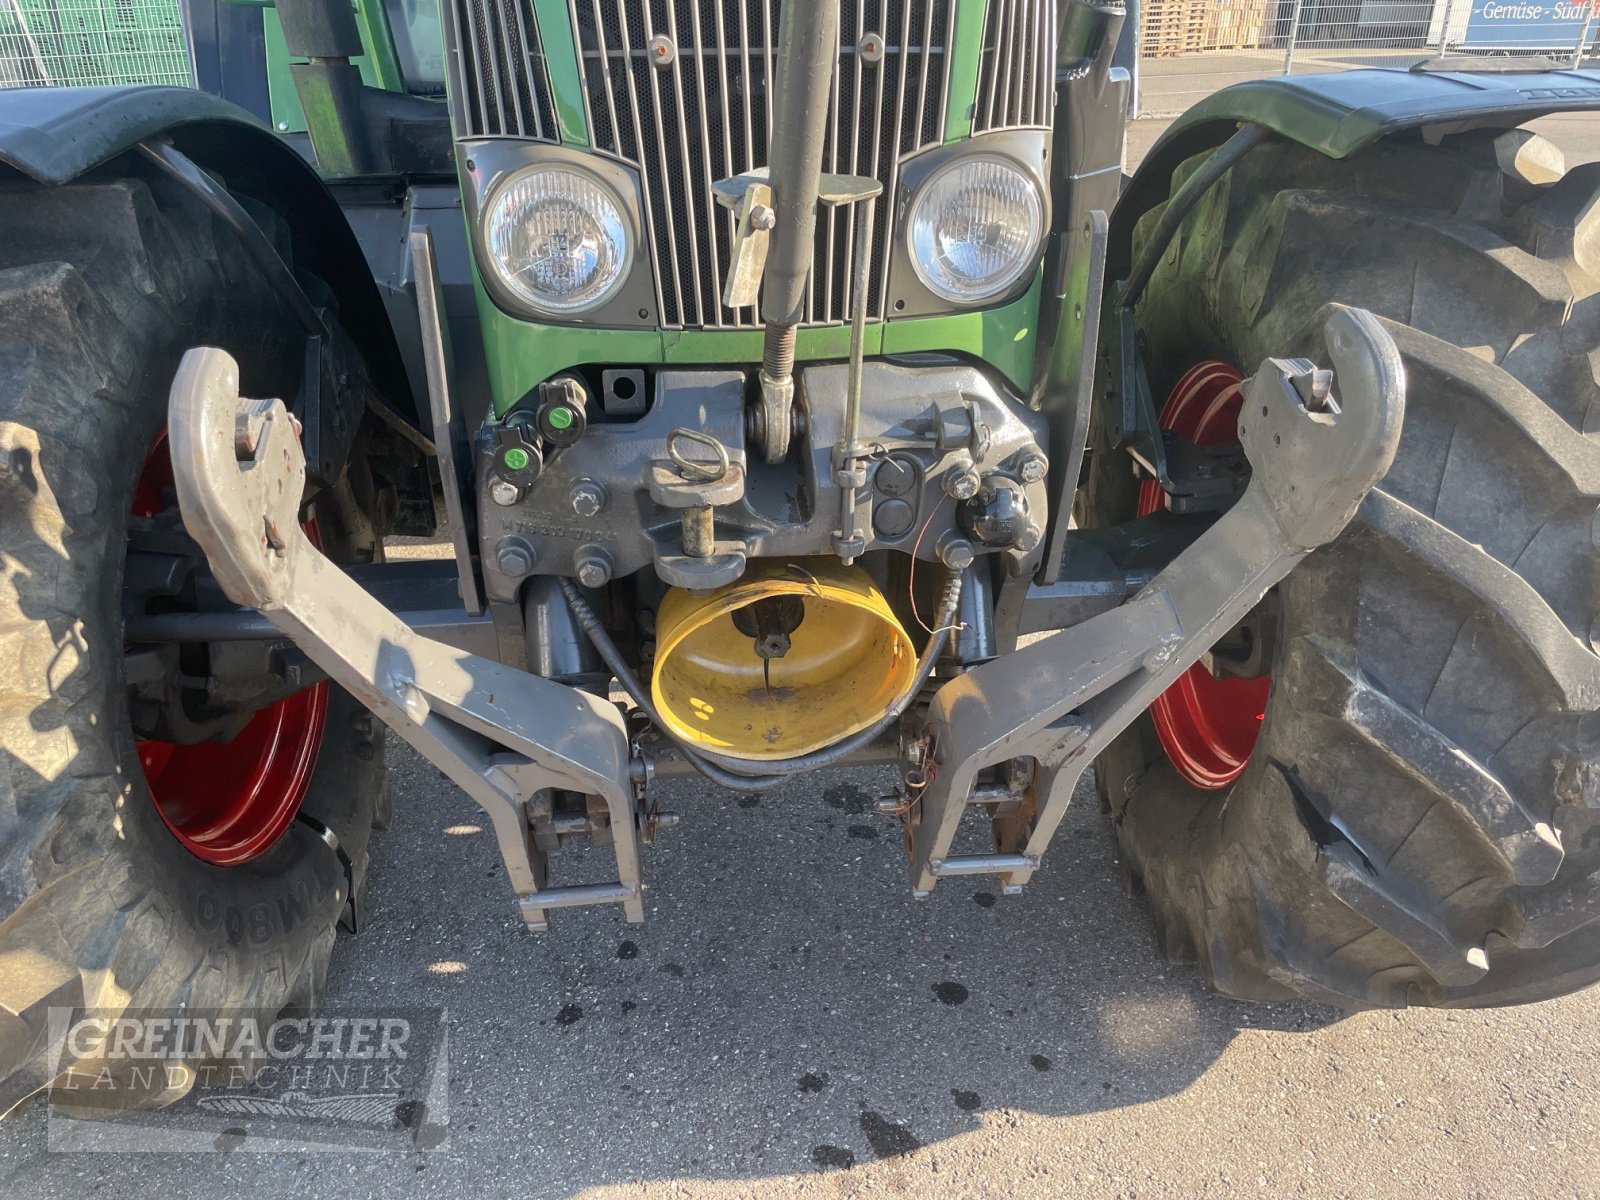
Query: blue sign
(1529,25)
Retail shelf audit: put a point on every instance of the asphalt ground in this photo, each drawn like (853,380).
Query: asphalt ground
(790,1022)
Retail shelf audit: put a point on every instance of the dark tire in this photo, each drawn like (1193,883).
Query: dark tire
(103,286)
(1418,822)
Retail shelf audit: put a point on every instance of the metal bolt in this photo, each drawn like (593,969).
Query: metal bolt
(594,566)
(1315,388)
(1033,468)
(504,493)
(699,531)
(1028,538)
(956,554)
(249,420)
(514,559)
(588,497)
(762,217)
(962,485)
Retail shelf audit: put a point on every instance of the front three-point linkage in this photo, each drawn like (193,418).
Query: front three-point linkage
(1314,455)
(503,736)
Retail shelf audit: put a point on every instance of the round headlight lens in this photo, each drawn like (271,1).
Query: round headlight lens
(557,239)
(975,229)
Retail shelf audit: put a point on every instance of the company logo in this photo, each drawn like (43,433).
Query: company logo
(186,1081)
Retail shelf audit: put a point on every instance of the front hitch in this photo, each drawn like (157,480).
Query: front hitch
(510,739)
(1314,455)
(501,735)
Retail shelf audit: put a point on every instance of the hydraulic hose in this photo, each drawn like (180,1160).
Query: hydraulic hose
(808,48)
(619,667)
(759,777)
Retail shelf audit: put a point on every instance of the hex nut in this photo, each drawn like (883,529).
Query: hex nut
(514,558)
(1029,538)
(956,553)
(962,484)
(588,498)
(1033,468)
(504,493)
(594,566)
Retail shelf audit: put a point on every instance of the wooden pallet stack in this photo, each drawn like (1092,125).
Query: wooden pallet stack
(1173,27)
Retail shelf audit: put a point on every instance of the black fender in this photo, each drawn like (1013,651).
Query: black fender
(55,135)
(1341,113)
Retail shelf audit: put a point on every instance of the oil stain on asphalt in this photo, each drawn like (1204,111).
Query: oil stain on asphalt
(950,992)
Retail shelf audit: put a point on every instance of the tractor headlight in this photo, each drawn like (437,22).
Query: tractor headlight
(557,238)
(975,229)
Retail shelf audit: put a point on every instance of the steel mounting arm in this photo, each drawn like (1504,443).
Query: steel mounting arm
(1314,454)
(501,735)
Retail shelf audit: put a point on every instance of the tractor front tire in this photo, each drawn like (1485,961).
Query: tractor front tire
(103,285)
(1419,821)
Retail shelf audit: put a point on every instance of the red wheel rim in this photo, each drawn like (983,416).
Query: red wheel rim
(228,803)
(1208,726)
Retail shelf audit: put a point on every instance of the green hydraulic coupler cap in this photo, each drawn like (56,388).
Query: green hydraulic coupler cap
(561,417)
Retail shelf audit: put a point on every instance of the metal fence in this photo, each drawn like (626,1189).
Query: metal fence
(1190,48)
(1187,48)
(46,43)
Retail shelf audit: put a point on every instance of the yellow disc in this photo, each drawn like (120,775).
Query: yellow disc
(849,660)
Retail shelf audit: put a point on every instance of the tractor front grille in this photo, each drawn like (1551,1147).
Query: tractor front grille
(706,115)
(502,87)
(1016,84)
(680,90)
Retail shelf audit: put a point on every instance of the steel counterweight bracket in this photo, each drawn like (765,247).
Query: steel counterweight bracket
(500,735)
(1314,455)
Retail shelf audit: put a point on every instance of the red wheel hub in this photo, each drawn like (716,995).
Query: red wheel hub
(227,803)
(1207,725)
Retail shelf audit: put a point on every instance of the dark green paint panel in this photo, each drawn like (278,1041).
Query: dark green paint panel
(1002,337)
(379,67)
(968,53)
(523,354)
(561,61)
(1340,112)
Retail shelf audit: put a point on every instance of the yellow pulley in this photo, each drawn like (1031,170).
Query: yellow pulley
(791,658)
